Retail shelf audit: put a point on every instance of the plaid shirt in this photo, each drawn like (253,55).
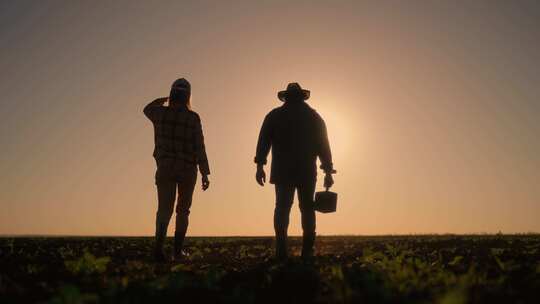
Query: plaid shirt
(177,135)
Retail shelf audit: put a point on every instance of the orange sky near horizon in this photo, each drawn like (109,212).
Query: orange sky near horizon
(432,111)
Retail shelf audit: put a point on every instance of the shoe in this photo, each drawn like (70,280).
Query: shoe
(282,253)
(308,256)
(180,256)
(160,256)
(308,242)
(159,253)
(281,256)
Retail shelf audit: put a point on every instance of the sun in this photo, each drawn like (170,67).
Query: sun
(339,132)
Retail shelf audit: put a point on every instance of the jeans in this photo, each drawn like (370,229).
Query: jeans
(168,181)
(284,201)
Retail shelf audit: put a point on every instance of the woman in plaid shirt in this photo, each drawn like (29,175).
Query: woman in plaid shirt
(179,149)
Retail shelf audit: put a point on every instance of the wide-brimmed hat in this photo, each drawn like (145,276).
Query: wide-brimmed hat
(181,85)
(293,89)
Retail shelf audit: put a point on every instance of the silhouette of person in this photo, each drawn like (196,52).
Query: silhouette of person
(297,135)
(179,148)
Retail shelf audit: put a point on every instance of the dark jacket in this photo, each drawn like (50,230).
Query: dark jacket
(297,135)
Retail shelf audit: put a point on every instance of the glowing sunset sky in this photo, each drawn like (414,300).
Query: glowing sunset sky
(432,107)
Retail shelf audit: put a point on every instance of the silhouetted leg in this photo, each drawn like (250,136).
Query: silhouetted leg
(305,197)
(166,195)
(185,195)
(284,201)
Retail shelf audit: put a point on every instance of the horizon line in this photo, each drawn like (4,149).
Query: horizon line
(271,235)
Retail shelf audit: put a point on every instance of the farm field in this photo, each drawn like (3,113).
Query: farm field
(357,269)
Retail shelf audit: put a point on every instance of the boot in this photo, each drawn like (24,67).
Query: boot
(179,254)
(182,222)
(281,247)
(308,242)
(159,253)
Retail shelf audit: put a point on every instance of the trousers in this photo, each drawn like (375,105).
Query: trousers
(169,180)
(284,202)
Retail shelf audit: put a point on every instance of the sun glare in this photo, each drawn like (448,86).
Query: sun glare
(339,132)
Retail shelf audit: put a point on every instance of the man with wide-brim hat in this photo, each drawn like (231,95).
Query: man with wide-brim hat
(293,91)
(297,135)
